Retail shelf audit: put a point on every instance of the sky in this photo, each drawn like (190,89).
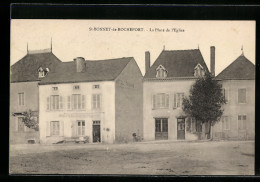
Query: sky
(107,39)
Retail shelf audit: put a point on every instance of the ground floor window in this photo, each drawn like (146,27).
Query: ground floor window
(55,128)
(226,123)
(242,122)
(161,128)
(81,128)
(20,124)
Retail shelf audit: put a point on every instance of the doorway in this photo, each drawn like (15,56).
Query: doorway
(180,129)
(96,131)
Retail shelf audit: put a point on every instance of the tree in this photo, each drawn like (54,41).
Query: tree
(30,121)
(205,101)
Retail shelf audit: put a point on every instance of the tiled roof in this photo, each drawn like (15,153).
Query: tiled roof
(240,69)
(26,69)
(98,70)
(178,63)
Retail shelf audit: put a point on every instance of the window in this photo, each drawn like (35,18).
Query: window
(76,87)
(225,94)
(76,102)
(96,101)
(161,125)
(241,122)
(96,122)
(21,99)
(226,123)
(95,86)
(161,72)
(56,101)
(161,100)
(55,128)
(242,95)
(81,128)
(199,71)
(20,124)
(178,98)
(42,73)
(54,88)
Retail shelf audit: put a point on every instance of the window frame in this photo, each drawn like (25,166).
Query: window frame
(224,124)
(175,100)
(21,101)
(94,86)
(80,127)
(161,72)
(94,106)
(55,89)
(56,130)
(159,101)
(238,96)
(53,103)
(76,87)
(243,121)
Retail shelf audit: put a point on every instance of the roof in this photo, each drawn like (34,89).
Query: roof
(240,69)
(26,69)
(178,63)
(98,70)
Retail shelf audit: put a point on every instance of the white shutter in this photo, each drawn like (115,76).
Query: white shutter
(16,123)
(83,104)
(99,101)
(174,101)
(61,128)
(227,94)
(154,101)
(48,103)
(48,132)
(69,102)
(60,103)
(167,100)
(93,101)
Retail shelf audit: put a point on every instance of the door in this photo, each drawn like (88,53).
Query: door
(161,129)
(180,129)
(96,131)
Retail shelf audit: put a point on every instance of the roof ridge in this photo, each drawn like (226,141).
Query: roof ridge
(182,50)
(111,59)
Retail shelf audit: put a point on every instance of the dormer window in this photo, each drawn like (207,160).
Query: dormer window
(161,72)
(43,72)
(199,71)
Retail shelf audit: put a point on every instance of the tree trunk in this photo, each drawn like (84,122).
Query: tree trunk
(209,130)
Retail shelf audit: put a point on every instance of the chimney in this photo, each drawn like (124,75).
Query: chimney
(212,60)
(147,61)
(80,64)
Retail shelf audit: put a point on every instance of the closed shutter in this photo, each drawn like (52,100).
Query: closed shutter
(69,102)
(167,100)
(74,128)
(227,95)
(48,132)
(48,103)
(174,101)
(16,124)
(83,100)
(93,101)
(61,128)
(99,102)
(154,101)
(60,103)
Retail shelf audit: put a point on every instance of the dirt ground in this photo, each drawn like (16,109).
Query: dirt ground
(147,158)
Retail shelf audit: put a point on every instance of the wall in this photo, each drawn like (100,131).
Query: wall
(232,109)
(149,114)
(106,114)
(31,91)
(129,103)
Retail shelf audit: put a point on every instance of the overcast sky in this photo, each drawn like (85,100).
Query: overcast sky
(73,38)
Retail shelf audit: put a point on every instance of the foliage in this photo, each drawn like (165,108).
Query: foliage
(205,101)
(30,121)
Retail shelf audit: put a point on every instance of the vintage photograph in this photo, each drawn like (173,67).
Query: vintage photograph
(132,97)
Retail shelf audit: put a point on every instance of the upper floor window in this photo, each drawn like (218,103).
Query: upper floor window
(76,102)
(225,93)
(161,100)
(54,102)
(54,88)
(21,99)
(42,72)
(242,122)
(161,72)
(242,95)
(95,86)
(226,123)
(96,101)
(76,87)
(199,71)
(178,97)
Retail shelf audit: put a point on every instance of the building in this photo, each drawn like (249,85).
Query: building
(165,83)
(101,100)
(238,82)
(24,92)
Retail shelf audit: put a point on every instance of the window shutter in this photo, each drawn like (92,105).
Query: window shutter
(154,101)
(167,100)
(48,103)
(61,103)
(69,102)
(16,124)
(174,101)
(93,101)
(227,95)
(48,132)
(61,128)
(83,102)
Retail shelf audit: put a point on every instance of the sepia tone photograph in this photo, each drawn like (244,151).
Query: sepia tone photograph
(132,97)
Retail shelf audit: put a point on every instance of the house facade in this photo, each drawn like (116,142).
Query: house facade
(101,100)
(165,84)
(24,92)
(238,83)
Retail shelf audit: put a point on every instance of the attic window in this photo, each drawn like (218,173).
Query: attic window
(95,86)
(43,72)
(161,72)
(199,71)
(76,87)
(54,88)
